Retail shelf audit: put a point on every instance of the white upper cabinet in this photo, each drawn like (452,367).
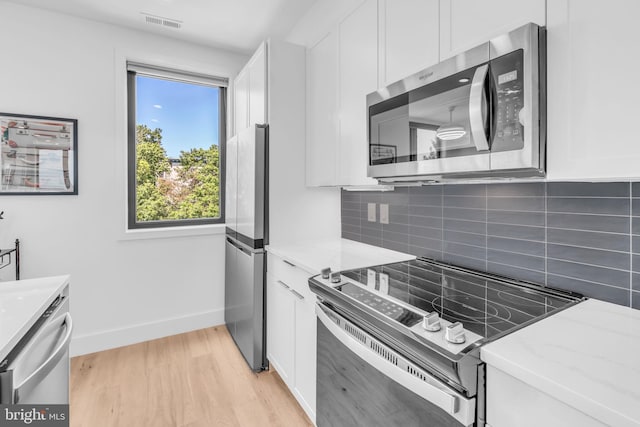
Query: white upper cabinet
(358,76)
(322,109)
(249,93)
(592,100)
(241,101)
(379,42)
(408,38)
(257,69)
(467,23)
(342,68)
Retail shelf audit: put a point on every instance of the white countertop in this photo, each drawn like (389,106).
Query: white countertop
(339,254)
(587,356)
(21,303)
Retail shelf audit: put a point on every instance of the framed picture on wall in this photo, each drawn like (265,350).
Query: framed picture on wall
(38,155)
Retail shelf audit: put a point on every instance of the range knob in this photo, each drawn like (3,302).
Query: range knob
(431,322)
(454,333)
(325,272)
(335,277)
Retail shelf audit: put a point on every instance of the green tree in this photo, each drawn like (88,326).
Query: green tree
(200,174)
(144,133)
(151,163)
(192,191)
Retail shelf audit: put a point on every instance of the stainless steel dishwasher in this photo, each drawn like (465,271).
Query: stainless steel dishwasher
(36,370)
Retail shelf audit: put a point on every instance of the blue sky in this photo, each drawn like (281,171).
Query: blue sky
(186,113)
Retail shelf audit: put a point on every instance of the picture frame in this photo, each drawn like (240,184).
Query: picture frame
(38,155)
(381,154)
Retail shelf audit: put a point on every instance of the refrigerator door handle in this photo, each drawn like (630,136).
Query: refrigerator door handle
(231,242)
(41,372)
(239,247)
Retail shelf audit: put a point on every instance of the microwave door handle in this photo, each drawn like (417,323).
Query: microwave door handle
(477,103)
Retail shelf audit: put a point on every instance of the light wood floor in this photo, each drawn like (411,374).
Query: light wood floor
(193,379)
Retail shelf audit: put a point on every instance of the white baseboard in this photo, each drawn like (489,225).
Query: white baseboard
(104,340)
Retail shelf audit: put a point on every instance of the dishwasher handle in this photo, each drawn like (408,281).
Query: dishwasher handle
(41,372)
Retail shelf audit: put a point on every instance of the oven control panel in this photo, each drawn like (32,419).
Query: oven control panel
(381,305)
(448,335)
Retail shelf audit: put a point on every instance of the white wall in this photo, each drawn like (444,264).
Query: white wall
(123,289)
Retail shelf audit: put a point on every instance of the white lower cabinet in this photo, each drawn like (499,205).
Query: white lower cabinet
(305,354)
(291,330)
(512,403)
(280,322)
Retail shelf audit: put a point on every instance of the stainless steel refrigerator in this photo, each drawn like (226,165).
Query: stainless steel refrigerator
(246,235)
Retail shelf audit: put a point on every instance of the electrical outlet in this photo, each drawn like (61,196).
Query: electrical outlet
(384,283)
(384,213)
(371,278)
(371,212)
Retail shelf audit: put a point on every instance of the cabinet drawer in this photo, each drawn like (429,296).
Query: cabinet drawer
(286,271)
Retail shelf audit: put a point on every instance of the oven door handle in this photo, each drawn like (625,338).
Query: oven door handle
(477,108)
(428,388)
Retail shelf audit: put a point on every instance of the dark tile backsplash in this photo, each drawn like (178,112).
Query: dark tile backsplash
(578,236)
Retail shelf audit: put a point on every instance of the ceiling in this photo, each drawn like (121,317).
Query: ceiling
(238,25)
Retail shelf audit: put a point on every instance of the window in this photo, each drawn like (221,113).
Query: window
(176,135)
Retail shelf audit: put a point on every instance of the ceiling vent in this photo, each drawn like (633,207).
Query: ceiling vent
(159,20)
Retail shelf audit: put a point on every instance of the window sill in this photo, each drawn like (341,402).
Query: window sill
(171,232)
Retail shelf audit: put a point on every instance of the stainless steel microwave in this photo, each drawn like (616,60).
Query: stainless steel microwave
(478,114)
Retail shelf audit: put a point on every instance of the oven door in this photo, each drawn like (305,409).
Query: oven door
(362,382)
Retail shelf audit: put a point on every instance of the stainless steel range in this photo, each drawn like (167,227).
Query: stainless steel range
(399,344)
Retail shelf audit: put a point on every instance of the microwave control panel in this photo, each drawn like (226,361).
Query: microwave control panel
(508,74)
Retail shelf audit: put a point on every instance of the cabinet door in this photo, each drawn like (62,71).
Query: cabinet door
(241,99)
(592,100)
(305,354)
(358,76)
(280,328)
(467,23)
(257,70)
(408,38)
(512,403)
(322,104)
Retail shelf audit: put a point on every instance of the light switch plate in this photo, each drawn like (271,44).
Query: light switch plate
(384,213)
(371,212)
(384,283)
(371,278)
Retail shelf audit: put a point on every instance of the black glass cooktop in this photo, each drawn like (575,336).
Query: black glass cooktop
(486,305)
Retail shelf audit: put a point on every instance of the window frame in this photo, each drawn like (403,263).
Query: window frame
(134,69)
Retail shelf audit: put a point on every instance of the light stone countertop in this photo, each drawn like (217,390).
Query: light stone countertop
(587,356)
(21,304)
(339,254)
